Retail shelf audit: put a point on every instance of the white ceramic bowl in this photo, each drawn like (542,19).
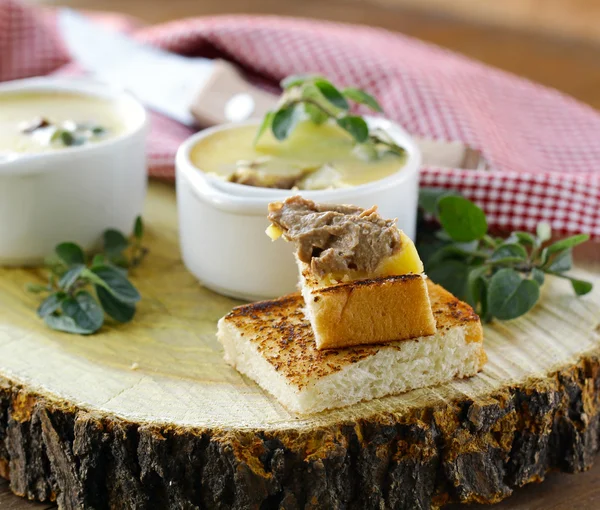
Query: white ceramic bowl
(222,225)
(72,194)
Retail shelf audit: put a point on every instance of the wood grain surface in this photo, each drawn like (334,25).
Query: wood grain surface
(166,366)
(163,374)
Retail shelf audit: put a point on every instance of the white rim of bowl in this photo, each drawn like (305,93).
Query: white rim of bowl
(19,163)
(255,202)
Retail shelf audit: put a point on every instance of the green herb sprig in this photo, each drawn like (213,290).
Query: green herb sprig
(315,98)
(499,277)
(69,305)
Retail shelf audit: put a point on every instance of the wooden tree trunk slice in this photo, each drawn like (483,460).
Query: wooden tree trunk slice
(147,415)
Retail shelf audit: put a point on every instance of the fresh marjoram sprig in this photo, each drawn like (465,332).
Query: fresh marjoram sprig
(318,100)
(499,277)
(69,305)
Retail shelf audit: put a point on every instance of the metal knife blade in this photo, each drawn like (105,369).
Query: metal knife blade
(166,82)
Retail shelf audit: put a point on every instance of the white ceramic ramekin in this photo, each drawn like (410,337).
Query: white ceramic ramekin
(72,194)
(222,225)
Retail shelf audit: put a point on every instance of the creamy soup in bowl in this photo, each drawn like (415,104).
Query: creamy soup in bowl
(33,121)
(72,164)
(222,224)
(314,157)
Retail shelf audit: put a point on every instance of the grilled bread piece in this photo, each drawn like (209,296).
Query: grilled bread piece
(370,311)
(272,343)
(361,277)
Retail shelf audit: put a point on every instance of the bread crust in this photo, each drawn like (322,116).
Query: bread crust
(284,337)
(286,362)
(372,311)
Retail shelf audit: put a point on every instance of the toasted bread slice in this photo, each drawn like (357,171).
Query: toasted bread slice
(360,276)
(370,311)
(272,343)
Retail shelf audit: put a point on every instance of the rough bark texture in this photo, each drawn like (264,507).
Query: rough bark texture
(464,451)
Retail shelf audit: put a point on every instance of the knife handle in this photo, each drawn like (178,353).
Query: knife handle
(228,97)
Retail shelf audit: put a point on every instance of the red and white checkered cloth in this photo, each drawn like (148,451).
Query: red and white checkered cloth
(543,147)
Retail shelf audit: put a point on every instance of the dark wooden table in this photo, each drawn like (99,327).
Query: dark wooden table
(560,491)
(568,65)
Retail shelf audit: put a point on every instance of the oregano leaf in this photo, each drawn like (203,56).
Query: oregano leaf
(70,277)
(538,275)
(138,228)
(265,124)
(581,287)
(355,126)
(84,310)
(66,324)
(509,250)
(563,261)
(70,253)
(284,121)
(295,80)
(523,238)
(51,304)
(361,97)
(510,296)
(333,95)
(118,310)
(461,219)
(429,198)
(117,284)
(452,275)
(114,242)
(569,242)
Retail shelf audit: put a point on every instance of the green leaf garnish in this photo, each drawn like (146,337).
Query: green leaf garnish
(295,80)
(67,138)
(70,253)
(115,242)
(284,121)
(462,219)
(69,306)
(333,95)
(429,198)
(66,324)
(511,296)
(361,97)
(356,126)
(538,276)
(500,278)
(118,310)
(563,261)
(569,242)
(453,273)
(117,284)
(581,287)
(84,310)
(138,228)
(68,279)
(509,250)
(523,238)
(51,304)
(266,123)
(316,99)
